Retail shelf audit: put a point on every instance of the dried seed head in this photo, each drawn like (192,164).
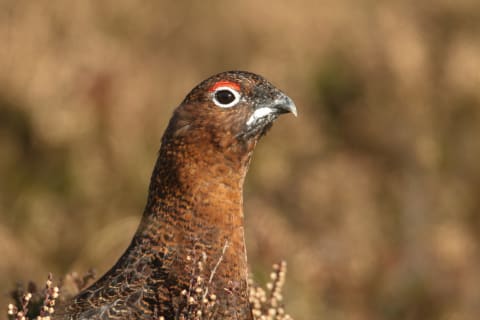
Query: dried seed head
(12,309)
(266,304)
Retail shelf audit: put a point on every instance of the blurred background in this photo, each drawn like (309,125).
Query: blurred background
(372,195)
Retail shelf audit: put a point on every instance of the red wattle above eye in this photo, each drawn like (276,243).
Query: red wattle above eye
(229,84)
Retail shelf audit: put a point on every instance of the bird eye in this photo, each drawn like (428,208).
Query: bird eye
(226,97)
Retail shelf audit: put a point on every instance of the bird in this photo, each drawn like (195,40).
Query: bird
(188,254)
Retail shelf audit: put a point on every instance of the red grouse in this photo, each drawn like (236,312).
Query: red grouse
(191,233)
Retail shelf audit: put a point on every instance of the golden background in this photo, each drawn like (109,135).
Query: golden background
(372,194)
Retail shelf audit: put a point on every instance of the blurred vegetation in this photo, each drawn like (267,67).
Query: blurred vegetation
(372,195)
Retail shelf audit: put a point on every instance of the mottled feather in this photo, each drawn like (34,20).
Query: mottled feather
(194,209)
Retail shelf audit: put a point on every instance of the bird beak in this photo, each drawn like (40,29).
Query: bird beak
(282,104)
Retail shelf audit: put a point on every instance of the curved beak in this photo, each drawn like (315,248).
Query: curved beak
(284,104)
(280,105)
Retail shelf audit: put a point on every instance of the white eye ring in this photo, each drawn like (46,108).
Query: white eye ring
(236,97)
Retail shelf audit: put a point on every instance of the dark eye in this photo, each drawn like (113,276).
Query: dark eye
(226,97)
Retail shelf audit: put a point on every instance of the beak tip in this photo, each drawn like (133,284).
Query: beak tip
(290,106)
(294,111)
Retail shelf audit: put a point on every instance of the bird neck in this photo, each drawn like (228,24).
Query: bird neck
(194,212)
(201,182)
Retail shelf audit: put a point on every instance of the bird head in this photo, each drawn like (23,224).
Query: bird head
(230,109)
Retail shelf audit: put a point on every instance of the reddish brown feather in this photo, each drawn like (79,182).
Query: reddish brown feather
(194,207)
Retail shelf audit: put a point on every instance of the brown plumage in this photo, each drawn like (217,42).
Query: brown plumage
(194,209)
